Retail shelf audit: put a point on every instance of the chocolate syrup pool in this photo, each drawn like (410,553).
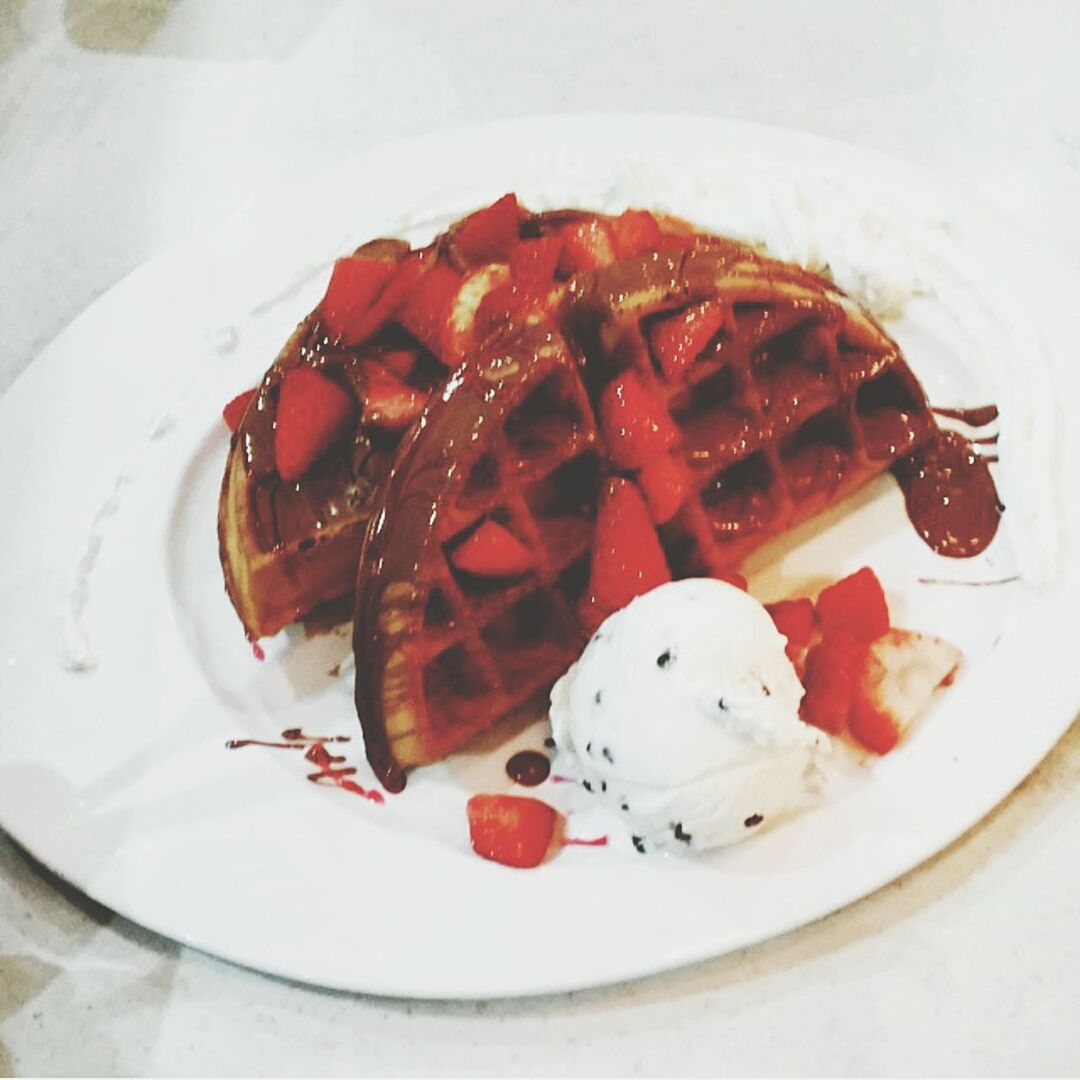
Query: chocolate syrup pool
(950,495)
(528,768)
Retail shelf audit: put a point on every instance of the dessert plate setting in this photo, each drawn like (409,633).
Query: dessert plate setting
(150,759)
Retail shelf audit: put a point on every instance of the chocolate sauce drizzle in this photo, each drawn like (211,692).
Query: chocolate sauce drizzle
(330,770)
(977,416)
(528,768)
(950,495)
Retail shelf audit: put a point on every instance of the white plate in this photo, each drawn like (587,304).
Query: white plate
(116,777)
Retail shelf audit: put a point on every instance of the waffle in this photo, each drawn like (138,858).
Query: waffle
(797,399)
(287,548)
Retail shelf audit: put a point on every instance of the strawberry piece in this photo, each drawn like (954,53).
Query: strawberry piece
(833,667)
(533,262)
(636,425)
(585,246)
(732,577)
(854,606)
(511,829)
(504,304)
(493,551)
(389,403)
(233,413)
(635,232)
(489,235)
(312,411)
(794,619)
(664,482)
(390,301)
(427,309)
(677,340)
(627,559)
(468,325)
(355,285)
(399,362)
(872,728)
(903,670)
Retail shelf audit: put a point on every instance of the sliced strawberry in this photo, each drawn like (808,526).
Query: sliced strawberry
(505,304)
(312,411)
(854,606)
(677,340)
(586,245)
(627,559)
(389,403)
(665,482)
(872,728)
(489,235)
(635,232)
(511,829)
(902,672)
(406,275)
(354,287)
(635,423)
(493,551)
(233,413)
(399,362)
(732,577)
(464,331)
(833,667)
(796,621)
(533,262)
(427,309)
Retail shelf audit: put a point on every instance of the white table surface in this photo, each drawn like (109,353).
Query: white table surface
(126,124)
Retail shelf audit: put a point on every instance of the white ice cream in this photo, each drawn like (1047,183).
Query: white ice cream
(683,716)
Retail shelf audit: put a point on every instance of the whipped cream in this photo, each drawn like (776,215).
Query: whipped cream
(74,649)
(682,717)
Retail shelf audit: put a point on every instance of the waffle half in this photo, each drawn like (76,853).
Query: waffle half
(287,548)
(795,401)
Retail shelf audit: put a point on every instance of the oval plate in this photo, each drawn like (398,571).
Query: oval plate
(116,776)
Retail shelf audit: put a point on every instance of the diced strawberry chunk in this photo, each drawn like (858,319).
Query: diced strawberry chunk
(635,232)
(493,551)
(312,412)
(903,672)
(635,423)
(504,304)
(399,362)
(732,577)
(794,619)
(854,606)
(833,667)
(677,340)
(489,235)
(627,559)
(871,727)
(533,262)
(389,403)
(664,482)
(355,285)
(511,829)
(233,413)
(586,245)
(426,311)
(403,280)
(471,319)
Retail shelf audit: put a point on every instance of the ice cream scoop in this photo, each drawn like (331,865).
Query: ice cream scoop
(682,715)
